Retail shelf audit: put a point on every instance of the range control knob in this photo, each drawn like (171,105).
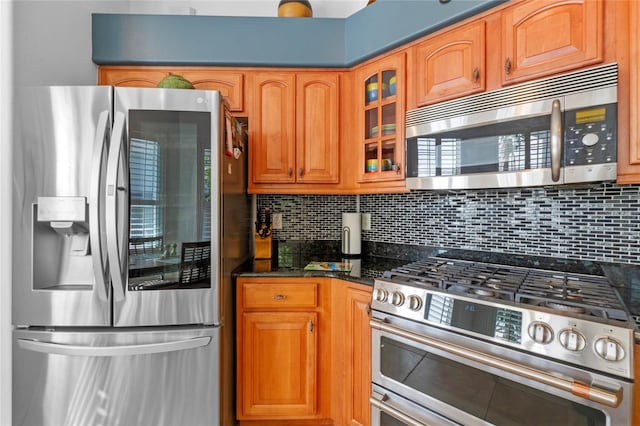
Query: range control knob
(609,349)
(415,302)
(540,332)
(381,295)
(572,340)
(397,298)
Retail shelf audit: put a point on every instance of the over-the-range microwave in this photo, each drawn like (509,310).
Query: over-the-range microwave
(551,131)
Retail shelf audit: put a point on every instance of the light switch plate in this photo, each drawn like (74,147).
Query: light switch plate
(365,221)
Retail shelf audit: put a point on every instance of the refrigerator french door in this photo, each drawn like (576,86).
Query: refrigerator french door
(113,222)
(162,197)
(121,263)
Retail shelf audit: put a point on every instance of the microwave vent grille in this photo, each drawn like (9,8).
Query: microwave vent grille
(588,79)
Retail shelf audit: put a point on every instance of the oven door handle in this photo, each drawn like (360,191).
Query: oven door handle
(583,390)
(380,405)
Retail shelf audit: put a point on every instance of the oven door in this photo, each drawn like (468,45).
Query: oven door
(470,382)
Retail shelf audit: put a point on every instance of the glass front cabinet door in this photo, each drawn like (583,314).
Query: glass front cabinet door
(381,108)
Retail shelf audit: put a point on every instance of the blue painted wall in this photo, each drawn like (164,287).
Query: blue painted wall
(131,39)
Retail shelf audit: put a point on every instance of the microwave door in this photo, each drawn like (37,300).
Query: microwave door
(59,261)
(164,205)
(507,147)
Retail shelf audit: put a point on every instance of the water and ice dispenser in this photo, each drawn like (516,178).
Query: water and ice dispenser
(61,250)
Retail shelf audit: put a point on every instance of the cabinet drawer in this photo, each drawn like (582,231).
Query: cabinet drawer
(279,295)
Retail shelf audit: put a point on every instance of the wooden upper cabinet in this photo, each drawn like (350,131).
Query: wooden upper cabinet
(629,101)
(293,129)
(544,37)
(230,83)
(272,127)
(317,128)
(380,106)
(451,64)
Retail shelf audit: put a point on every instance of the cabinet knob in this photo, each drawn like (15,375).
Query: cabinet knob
(300,171)
(476,75)
(279,297)
(310,326)
(507,66)
(290,172)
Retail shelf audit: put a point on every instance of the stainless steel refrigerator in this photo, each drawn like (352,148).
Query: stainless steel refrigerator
(130,212)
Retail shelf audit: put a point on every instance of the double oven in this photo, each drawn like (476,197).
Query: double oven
(469,343)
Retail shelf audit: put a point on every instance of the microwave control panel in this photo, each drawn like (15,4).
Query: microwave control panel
(591,135)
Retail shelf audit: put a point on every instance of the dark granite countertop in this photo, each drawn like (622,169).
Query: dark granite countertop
(290,258)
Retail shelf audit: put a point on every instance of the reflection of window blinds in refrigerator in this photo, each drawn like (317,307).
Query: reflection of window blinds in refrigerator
(206,201)
(144,177)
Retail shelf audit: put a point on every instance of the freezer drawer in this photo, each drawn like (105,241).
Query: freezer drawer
(138,377)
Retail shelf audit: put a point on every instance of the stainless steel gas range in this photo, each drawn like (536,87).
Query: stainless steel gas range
(461,342)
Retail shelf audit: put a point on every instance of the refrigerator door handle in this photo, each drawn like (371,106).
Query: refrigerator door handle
(122,350)
(117,258)
(96,208)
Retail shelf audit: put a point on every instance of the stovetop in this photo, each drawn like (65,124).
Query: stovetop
(565,293)
(574,318)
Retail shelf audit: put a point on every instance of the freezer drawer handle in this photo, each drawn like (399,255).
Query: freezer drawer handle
(124,350)
(602,396)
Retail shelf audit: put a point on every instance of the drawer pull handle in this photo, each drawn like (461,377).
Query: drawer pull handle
(279,297)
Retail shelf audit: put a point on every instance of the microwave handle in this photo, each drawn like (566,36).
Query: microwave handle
(556,140)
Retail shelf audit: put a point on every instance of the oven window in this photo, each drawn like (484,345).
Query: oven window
(387,420)
(481,394)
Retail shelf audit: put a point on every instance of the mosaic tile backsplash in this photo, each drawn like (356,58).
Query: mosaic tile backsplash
(599,222)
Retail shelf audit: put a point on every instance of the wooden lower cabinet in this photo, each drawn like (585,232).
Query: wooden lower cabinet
(303,352)
(636,390)
(283,347)
(357,341)
(278,375)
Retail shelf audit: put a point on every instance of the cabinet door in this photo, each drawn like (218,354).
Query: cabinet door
(451,65)
(358,340)
(277,374)
(543,37)
(629,147)
(317,127)
(229,83)
(272,127)
(636,387)
(381,108)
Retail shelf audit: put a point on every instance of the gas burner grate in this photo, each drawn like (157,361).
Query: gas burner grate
(568,292)
(487,280)
(430,272)
(573,293)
